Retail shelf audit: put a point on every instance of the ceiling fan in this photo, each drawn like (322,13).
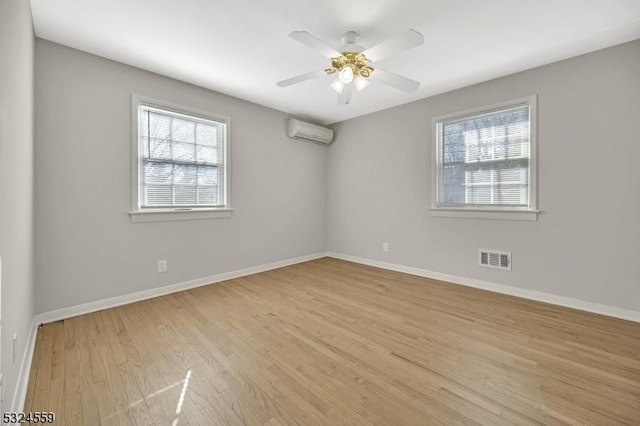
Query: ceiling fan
(352,64)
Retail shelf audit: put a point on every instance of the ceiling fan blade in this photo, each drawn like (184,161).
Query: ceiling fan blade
(403,41)
(394,80)
(301,78)
(315,43)
(344,98)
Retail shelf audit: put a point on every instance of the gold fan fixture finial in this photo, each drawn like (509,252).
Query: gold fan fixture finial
(358,63)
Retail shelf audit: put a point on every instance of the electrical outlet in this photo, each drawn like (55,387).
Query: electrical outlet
(385,247)
(162,265)
(15,347)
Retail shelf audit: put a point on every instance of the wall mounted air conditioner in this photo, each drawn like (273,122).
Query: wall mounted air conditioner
(309,132)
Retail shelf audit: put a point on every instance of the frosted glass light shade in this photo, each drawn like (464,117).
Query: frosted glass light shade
(337,85)
(346,75)
(360,83)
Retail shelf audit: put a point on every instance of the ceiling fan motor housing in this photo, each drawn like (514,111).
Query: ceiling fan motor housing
(350,42)
(351,57)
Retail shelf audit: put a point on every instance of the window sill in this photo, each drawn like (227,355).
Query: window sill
(503,214)
(169,215)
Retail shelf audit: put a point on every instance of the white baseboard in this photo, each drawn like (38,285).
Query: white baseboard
(20,392)
(85,308)
(539,296)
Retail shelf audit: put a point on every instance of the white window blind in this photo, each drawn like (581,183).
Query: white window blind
(484,159)
(182,161)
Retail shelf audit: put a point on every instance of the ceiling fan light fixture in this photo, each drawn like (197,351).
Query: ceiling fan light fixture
(337,85)
(353,64)
(346,75)
(361,83)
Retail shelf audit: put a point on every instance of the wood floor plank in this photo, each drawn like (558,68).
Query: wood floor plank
(56,384)
(33,373)
(72,395)
(88,398)
(43,370)
(330,342)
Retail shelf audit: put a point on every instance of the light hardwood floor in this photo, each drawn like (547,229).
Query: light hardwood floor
(332,342)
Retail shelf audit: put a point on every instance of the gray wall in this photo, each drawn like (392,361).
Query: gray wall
(374,179)
(88,250)
(585,244)
(16,183)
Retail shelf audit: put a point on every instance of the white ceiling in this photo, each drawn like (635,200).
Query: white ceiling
(242,47)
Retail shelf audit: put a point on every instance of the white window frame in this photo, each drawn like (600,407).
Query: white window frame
(485,212)
(139,214)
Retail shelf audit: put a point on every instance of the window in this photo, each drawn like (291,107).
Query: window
(485,162)
(180,163)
